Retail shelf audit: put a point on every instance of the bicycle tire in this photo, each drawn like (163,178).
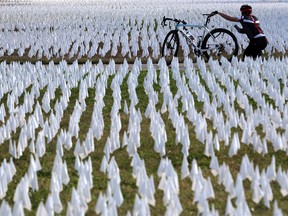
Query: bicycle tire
(170,50)
(229,45)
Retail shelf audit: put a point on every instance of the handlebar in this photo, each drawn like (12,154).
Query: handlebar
(208,17)
(163,23)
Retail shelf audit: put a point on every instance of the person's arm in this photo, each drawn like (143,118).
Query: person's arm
(229,18)
(240,30)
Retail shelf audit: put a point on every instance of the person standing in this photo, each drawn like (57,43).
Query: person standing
(250,27)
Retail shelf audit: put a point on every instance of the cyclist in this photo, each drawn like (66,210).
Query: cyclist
(250,27)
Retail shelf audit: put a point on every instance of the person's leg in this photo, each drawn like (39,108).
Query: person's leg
(248,51)
(261,44)
(256,52)
(259,54)
(255,48)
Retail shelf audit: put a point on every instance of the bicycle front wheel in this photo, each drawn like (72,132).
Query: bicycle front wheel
(220,42)
(170,46)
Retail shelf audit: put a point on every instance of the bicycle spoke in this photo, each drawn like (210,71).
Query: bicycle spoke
(217,35)
(220,42)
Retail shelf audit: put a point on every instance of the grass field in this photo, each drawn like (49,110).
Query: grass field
(146,150)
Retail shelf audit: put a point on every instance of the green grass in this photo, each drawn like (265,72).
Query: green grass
(146,152)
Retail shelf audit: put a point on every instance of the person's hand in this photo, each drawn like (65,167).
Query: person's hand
(240,30)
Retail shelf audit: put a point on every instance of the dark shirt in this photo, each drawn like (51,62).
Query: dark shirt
(251,27)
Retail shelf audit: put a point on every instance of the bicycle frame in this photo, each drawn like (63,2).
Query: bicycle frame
(197,47)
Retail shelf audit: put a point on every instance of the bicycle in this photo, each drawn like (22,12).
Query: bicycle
(212,43)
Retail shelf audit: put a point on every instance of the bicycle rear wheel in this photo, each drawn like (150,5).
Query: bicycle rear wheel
(170,46)
(220,42)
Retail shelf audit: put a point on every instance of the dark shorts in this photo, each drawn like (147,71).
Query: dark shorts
(255,47)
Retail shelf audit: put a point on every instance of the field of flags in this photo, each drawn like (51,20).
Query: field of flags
(137,137)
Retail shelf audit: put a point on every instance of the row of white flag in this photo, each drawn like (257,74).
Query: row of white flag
(255,79)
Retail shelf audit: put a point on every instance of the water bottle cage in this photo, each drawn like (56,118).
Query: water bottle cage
(190,37)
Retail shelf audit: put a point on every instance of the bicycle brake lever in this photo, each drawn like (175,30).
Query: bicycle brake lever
(163,22)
